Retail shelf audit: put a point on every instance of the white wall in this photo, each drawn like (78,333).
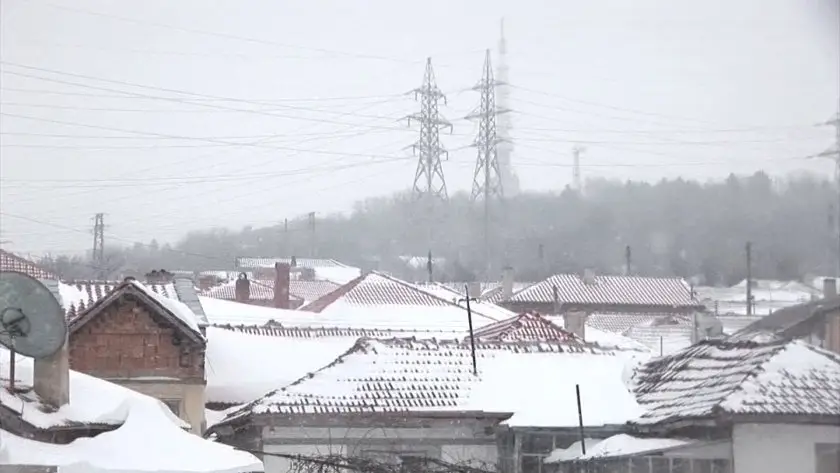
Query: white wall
(779,448)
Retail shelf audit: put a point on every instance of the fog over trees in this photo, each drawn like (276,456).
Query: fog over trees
(674,227)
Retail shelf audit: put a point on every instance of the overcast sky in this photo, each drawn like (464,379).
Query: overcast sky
(170,116)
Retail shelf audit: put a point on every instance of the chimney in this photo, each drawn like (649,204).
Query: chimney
(829,288)
(281,285)
(575,322)
(475,289)
(51,374)
(243,288)
(507,283)
(588,276)
(159,277)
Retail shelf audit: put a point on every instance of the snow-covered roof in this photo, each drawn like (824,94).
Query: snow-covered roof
(12,262)
(621,322)
(79,296)
(526,328)
(718,378)
(783,321)
(617,290)
(181,315)
(621,445)
(380,296)
(328,269)
(477,306)
(263,290)
(496,294)
(414,375)
(443,320)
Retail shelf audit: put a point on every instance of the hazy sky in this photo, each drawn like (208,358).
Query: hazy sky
(170,116)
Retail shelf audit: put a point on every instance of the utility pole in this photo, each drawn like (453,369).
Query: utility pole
(98,253)
(487,180)
(749,278)
(429,183)
(576,179)
(510,182)
(834,153)
(311,234)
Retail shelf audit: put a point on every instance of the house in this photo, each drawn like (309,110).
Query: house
(590,293)
(734,406)
(400,304)
(817,322)
(318,268)
(87,425)
(12,262)
(405,397)
(141,337)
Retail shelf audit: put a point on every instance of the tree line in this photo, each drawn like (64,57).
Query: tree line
(673,227)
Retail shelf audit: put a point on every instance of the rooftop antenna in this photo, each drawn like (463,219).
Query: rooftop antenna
(31,320)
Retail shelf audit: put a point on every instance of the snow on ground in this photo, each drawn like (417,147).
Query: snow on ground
(242,367)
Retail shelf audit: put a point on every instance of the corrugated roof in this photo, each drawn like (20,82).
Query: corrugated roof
(616,290)
(12,262)
(718,378)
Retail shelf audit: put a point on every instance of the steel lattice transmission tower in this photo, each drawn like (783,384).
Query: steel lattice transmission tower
(487,180)
(428,180)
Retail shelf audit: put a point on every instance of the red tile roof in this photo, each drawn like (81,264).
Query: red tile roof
(377,289)
(89,292)
(524,327)
(263,290)
(718,378)
(610,290)
(13,262)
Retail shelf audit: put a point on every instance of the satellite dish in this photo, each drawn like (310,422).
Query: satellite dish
(31,320)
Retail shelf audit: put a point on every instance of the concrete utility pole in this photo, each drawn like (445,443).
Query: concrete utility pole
(576,178)
(749,278)
(487,179)
(834,153)
(98,253)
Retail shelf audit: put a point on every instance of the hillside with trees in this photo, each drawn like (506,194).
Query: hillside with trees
(674,227)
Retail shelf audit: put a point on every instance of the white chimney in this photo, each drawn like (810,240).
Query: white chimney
(588,276)
(507,283)
(829,288)
(575,322)
(52,377)
(475,290)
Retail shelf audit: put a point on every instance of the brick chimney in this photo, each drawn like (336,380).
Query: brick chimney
(243,288)
(159,277)
(281,285)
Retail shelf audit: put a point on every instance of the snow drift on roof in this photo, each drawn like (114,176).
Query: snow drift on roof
(411,375)
(740,378)
(621,445)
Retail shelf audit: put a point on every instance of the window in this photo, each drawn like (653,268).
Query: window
(174,405)
(827,457)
